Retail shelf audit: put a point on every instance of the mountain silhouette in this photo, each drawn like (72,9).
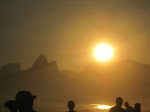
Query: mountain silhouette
(10,68)
(40,62)
(99,82)
(53,66)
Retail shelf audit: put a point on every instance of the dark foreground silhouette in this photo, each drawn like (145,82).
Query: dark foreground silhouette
(11,105)
(137,107)
(23,102)
(128,107)
(118,108)
(71,106)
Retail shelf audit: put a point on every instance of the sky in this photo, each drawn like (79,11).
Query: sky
(67,30)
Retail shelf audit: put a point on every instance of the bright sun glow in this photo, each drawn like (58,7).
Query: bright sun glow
(103,52)
(103,107)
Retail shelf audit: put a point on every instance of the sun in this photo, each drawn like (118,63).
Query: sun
(103,52)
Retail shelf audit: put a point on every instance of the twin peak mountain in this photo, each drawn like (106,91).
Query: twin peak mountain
(41,62)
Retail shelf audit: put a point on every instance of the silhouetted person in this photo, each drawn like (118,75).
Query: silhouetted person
(11,105)
(137,107)
(24,100)
(128,107)
(71,106)
(118,108)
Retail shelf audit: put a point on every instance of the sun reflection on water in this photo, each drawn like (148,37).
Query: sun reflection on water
(103,107)
(94,108)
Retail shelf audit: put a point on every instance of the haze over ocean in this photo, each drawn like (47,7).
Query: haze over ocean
(87,55)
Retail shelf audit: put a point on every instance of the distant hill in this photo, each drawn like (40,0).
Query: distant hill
(125,78)
(10,68)
(98,83)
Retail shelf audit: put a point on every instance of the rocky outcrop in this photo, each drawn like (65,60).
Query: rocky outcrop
(10,68)
(40,62)
(53,66)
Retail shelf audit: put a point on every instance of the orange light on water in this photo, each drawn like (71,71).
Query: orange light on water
(103,107)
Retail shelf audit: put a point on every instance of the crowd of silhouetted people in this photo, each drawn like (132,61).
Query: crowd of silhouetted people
(24,103)
(118,106)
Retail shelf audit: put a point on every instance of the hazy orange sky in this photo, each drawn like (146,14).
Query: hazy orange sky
(67,30)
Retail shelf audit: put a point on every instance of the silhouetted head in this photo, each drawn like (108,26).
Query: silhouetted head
(119,101)
(24,100)
(71,105)
(11,105)
(137,107)
(126,104)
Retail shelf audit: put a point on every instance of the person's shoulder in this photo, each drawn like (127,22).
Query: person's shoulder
(112,109)
(122,109)
(130,107)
